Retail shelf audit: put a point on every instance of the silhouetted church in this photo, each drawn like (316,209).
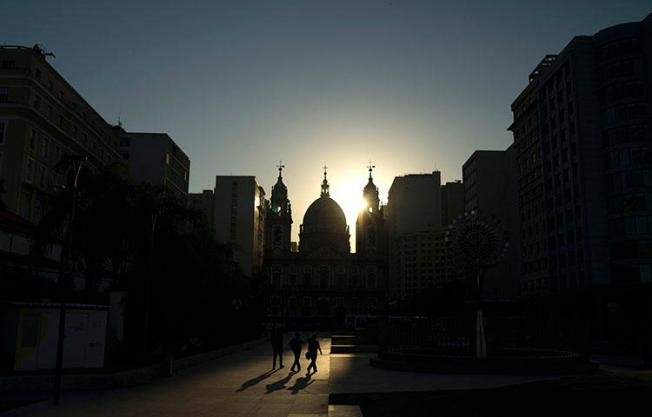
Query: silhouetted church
(323,282)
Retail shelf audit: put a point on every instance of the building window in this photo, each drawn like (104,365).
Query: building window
(323,278)
(26,204)
(306,308)
(42,176)
(29,170)
(4,95)
(45,148)
(3,128)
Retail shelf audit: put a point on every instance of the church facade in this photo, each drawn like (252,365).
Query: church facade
(323,282)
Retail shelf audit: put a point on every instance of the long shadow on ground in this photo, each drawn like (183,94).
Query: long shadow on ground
(256,380)
(280,384)
(301,383)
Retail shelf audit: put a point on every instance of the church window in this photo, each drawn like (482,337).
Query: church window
(323,278)
(323,307)
(306,308)
(371,237)
(371,281)
(276,277)
(292,306)
(278,235)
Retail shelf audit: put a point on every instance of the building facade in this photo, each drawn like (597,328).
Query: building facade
(203,204)
(490,192)
(452,201)
(154,158)
(414,223)
(42,120)
(323,281)
(423,262)
(239,210)
(582,134)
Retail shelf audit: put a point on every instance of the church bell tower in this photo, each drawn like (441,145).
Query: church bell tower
(278,222)
(370,226)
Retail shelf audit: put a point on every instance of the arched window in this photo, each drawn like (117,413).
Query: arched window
(323,307)
(323,278)
(306,308)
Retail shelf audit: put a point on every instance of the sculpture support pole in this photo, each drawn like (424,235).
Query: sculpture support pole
(480,336)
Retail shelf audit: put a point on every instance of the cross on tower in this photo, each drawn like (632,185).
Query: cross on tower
(325,168)
(370,167)
(280,167)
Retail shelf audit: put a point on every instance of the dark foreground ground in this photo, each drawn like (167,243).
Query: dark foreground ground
(593,395)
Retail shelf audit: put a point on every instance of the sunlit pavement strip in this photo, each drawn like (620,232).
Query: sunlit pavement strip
(240,385)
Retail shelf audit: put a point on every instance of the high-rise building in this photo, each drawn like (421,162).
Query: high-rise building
(154,158)
(490,193)
(239,219)
(414,203)
(414,225)
(452,201)
(42,120)
(582,135)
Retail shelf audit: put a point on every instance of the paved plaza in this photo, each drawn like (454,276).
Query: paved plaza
(242,384)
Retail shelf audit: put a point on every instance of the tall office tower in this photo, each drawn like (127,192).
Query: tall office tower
(239,219)
(414,203)
(490,192)
(582,134)
(42,120)
(452,201)
(154,158)
(414,210)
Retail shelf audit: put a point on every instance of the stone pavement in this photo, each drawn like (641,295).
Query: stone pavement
(242,384)
(237,385)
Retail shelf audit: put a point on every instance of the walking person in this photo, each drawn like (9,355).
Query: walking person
(277,348)
(296,343)
(313,347)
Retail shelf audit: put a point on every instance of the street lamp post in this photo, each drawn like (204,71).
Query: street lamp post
(77,162)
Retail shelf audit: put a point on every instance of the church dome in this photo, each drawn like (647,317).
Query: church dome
(324,225)
(324,215)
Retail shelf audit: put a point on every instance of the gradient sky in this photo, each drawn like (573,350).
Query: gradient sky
(412,85)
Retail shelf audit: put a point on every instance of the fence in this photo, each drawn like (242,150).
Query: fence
(505,336)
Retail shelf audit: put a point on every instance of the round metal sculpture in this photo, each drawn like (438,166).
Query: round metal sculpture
(477,244)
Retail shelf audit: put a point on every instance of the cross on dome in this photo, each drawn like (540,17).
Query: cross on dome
(324,185)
